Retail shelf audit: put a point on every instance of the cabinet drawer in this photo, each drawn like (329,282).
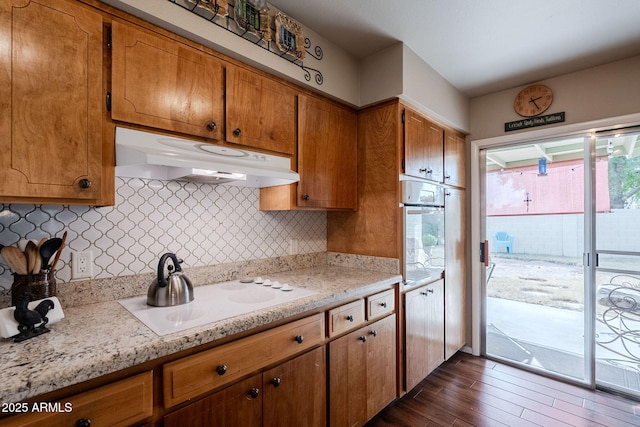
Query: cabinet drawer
(346,317)
(205,371)
(121,403)
(380,304)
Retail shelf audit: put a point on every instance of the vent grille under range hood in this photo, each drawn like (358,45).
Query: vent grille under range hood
(154,156)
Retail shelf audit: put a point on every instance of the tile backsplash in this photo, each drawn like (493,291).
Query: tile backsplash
(203,224)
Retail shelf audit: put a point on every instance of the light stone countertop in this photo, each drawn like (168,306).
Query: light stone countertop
(97,339)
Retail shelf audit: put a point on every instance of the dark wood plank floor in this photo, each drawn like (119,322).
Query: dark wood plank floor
(473,391)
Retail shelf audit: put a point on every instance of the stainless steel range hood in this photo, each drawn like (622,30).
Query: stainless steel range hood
(154,156)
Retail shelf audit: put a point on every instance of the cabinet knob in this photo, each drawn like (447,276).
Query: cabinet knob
(83,422)
(305,197)
(448,193)
(299,339)
(221,369)
(447,177)
(430,291)
(237,132)
(363,338)
(254,392)
(276,382)
(423,293)
(374,333)
(212,125)
(350,318)
(383,304)
(84,183)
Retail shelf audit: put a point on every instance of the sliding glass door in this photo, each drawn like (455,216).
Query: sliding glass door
(562,292)
(535,227)
(617,276)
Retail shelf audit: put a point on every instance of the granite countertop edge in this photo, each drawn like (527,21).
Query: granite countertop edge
(102,338)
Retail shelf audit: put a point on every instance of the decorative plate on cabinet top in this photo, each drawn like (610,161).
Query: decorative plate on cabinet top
(253,16)
(289,36)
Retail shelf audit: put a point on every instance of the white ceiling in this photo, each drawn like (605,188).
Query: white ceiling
(481,46)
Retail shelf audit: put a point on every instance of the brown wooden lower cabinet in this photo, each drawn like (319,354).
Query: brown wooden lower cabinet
(237,405)
(362,373)
(424,332)
(291,394)
(122,403)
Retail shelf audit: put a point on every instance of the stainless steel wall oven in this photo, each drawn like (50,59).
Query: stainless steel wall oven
(423,226)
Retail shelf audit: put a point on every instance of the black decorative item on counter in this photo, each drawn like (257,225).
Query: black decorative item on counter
(31,322)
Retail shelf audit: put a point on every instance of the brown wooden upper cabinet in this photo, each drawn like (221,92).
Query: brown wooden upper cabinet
(327,160)
(162,83)
(423,147)
(327,155)
(50,102)
(454,158)
(261,112)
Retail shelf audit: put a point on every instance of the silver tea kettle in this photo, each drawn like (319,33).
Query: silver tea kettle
(176,289)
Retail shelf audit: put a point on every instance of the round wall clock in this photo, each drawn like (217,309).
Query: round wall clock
(533,100)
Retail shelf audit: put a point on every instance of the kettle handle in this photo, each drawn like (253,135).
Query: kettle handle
(162,281)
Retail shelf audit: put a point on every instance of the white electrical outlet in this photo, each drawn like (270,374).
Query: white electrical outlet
(82,264)
(293,246)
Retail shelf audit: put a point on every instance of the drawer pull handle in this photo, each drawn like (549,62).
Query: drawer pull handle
(430,291)
(212,125)
(363,338)
(383,304)
(276,381)
(423,293)
(237,132)
(299,339)
(254,392)
(83,422)
(374,333)
(221,369)
(350,318)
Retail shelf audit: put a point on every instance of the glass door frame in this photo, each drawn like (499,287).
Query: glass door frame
(588,266)
(477,228)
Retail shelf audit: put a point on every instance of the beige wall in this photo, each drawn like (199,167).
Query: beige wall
(398,72)
(596,93)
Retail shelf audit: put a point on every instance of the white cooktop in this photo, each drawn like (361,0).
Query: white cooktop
(212,303)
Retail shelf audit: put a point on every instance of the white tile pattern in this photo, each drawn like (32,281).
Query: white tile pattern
(203,224)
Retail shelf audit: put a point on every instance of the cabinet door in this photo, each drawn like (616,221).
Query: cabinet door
(122,403)
(162,83)
(50,100)
(295,392)
(237,405)
(415,313)
(261,112)
(381,365)
(454,158)
(424,330)
(327,155)
(435,324)
(455,272)
(423,147)
(348,379)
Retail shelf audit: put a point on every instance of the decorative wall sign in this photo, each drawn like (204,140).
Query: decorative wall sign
(235,19)
(253,16)
(289,36)
(534,121)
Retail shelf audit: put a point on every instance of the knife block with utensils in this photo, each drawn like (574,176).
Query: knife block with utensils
(41,285)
